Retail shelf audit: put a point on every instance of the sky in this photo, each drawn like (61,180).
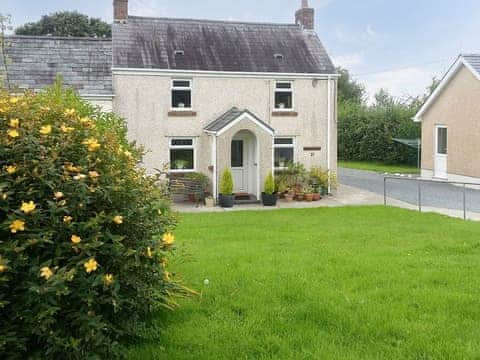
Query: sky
(396,45)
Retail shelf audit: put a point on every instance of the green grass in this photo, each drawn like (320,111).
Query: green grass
(340,283)
(379,167)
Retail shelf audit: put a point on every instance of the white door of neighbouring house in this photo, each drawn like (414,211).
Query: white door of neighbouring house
(441,152)
(243,163)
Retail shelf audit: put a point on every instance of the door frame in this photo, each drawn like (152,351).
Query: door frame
(437,155)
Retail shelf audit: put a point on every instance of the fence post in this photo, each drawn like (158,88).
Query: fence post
(464,201)
(385,191)
(419,196)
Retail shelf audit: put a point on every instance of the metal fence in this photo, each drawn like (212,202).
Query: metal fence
(432,192)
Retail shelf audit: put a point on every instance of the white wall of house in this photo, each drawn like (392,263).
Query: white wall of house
(144,99)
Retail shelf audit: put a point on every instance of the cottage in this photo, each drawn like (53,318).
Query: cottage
(201,95)
(450,127)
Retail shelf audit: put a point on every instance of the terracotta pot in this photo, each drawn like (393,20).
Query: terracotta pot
(316,196)
(300,196)
(308,197)
(289,197)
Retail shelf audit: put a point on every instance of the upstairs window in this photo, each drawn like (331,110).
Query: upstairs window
(182,94)
(283,96)
(182,155)
(284,152)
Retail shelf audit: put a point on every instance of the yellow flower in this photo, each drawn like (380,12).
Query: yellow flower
(108,279)
(66,129)
(70,112)
(118,220)
(46,273)
(28,207)
(58,195)
(16,226)
(168,239)
(87,122)
(11,169)
(3,268)
(44,108)
(67,219)
(45,130)
(13,133)
(93,174)
(90,266)
(92,144)
(14,123)
(14,100)
(71,168)
(149,252)
(166,276)
(76,239)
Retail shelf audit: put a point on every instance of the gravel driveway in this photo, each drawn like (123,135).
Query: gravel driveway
(433,194)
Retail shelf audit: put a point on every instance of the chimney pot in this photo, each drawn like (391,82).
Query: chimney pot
(120,10)
(305,16)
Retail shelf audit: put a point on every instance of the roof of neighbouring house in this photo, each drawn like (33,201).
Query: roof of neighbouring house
(33,62)
(231,116)
(157,43)
(470,61)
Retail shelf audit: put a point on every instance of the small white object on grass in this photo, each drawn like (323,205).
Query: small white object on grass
(206,282)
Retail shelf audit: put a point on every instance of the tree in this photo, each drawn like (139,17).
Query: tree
(349,89)
(67,23)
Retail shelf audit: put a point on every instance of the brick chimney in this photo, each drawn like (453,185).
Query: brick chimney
(120,10)
(305,16)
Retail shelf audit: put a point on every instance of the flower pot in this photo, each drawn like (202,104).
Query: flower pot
(227,201)
(289,197)
(308,197)
(300,196)
(269,199)
(316,196)
(209,202)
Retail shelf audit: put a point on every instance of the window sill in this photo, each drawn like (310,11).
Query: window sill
(290,113)
(181,171)
(182,113)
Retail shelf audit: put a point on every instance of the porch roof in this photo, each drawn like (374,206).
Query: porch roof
(233,115)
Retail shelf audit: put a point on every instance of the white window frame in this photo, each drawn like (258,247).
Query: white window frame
(277,90)
(283,146)
(172,88)
(182,147)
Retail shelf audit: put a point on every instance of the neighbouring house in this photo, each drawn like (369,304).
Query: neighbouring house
(450,125)
(202,95)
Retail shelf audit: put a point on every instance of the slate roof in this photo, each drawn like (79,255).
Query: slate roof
(229,117)
(84,63)
(473,60)
(150,43)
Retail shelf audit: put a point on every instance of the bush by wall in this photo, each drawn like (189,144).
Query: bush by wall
(85,235)
(366,133)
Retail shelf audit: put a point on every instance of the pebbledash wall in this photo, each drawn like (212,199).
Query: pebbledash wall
(143,97)
(457,107)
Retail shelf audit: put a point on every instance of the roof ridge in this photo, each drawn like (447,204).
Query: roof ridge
(215,21)
(46,37)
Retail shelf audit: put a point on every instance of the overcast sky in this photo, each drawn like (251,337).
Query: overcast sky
(395,44)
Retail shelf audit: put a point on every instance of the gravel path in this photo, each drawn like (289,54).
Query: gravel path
(433,194)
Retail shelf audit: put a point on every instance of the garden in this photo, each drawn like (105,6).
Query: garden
(324,283)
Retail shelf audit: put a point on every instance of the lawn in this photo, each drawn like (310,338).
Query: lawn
(379,167)
(340,283)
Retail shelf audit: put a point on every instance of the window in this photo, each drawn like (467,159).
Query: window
(182,155)
(237,153)
(284,152)
(283,96)
(442,141)
(181,94)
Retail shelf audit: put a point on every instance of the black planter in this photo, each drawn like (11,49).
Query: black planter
(269,199)
(227,201)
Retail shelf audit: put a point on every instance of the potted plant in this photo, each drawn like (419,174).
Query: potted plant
(316,192)
(227,199)
(299,193)
(198,188)
(269,198)
(290,195)
(308,194)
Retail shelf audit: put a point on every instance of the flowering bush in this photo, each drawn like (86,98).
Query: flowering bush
(85,234)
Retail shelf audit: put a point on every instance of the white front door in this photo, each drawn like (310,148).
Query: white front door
(441,152)
(239,166)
